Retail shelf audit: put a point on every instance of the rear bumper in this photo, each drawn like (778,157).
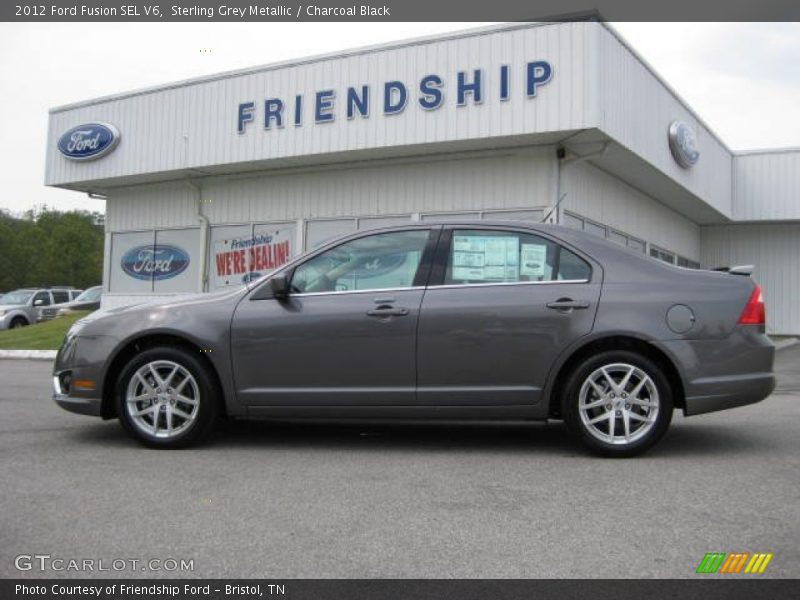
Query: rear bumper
(723,373)
(728,392)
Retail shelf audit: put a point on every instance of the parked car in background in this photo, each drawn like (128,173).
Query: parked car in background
(26,306)
(88,300)
(60,297)
(472,320)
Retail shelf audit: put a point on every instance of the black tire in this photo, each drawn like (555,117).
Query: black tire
(590,435)
(17,322)
(207,404)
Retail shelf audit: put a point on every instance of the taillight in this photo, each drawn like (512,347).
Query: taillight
(753,313)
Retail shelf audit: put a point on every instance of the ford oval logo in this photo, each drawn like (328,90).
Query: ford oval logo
(155,262)
(683,144)
(251,276)
(89,141)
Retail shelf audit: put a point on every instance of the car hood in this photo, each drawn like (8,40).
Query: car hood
(102,321)
(11,306)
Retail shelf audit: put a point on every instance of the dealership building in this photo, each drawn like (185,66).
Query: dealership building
(214,180)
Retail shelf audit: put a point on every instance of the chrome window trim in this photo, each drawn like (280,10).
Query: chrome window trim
(504,283)
(370,291)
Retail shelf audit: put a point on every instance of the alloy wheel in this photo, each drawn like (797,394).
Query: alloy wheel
(618,403)
(162,399)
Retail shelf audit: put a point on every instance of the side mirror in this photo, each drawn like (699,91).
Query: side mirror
(276,287)
(38,302)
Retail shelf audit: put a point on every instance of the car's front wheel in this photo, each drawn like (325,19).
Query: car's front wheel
(17,322)
(166,398)
(617,403)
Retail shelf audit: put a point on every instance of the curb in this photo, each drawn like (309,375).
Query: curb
(28,354)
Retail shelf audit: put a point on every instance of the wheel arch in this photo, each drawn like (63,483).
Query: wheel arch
(621,341)
(144,342)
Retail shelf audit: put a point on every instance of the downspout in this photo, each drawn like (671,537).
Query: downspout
(563,161)
(204,224)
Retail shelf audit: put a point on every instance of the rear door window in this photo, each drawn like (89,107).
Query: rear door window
(487,256)
(60,296)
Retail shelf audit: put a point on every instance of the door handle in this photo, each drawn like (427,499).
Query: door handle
(567,304)
(388,311)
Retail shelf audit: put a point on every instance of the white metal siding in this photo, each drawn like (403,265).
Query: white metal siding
(637,109)
(767,186)
(775,251)
(604,198)
(491,180)
(194,125)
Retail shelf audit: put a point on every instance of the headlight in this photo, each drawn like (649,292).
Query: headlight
(3,312)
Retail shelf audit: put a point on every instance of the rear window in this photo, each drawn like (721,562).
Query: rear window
(485,256)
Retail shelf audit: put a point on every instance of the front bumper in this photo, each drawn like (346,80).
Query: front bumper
(81,406)
(78,374)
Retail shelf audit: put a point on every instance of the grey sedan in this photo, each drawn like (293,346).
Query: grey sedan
(488,320)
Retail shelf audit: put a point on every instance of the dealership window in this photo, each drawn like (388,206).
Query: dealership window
(623,239)
(481,256)
(155,261)
(380,261)
(594,229)
(450,217)
(319,232)
(687,263)
(637,245)
(573,221)
(241,253)
(365,223)
(663,255)
(535,216)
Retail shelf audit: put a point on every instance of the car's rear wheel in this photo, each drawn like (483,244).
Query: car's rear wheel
(166,398)
(617,403)
(17,322)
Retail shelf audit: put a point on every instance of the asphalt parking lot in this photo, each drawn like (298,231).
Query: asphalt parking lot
(398,500)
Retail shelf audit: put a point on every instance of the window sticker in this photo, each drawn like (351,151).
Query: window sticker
(485,258)
(533,262)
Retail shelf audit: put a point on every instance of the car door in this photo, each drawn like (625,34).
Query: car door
(346,333)
(501,305)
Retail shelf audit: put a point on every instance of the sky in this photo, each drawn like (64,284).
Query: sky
(741,78)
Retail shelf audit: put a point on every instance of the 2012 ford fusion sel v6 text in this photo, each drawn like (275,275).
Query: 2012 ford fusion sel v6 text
(488,320)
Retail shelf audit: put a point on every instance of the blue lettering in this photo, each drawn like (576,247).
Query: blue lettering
(356,103)
(298,110)
(390,105)
(473,88)
(324,106)
(504,82)
(273,111)
(245,114)
(539,73)
(432,96)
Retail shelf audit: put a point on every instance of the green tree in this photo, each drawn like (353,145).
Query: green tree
(49,247)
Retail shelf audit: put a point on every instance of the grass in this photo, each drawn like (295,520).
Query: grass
(47,335)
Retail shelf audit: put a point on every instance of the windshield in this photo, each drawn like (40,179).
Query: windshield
(90,295)
(15,297)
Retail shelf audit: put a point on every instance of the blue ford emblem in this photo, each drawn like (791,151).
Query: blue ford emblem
(251,276)
(89,141)
(683,144)
(154,262)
